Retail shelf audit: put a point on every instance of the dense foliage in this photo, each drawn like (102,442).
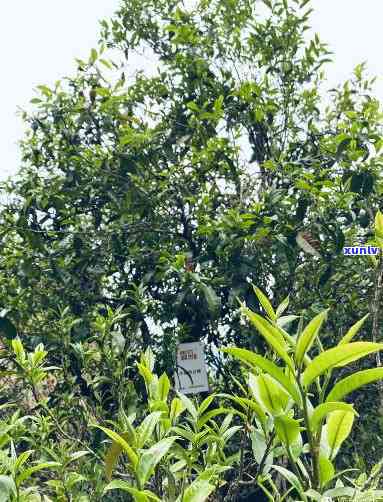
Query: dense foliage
(145,207)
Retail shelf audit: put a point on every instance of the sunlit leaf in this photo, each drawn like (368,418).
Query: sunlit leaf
(322,410)
(307,337)
(264,301)
(271,334)
(353,382)
(336,357)
(353,330)
(151,457)
(339,425)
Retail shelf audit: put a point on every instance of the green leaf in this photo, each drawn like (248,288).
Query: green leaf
(148,359)
(184,432)
(27,473)
(353,382)
(73,478)
(285,319)
(205,404)
(7,488)
(106,63)
(198,491)
(193,106)
(146,428)
(336,357)
(308,336)
(379,225)
(268,393)
(304,3)
(259,446)
(326,470)
(271,334)
(353,331)
(176,408)
(339,425)
(322,410)
(287,429)
(151,457)
(146,374)
(138,495)
(45,90)
(264,301)
(290,477)
(21,459)
(188,403)
(257,361)
(340,491)
(76,456)
(121,441)
(163,387)
(211,414)
(313,495)
(210,472)
(93,56)
(282,306)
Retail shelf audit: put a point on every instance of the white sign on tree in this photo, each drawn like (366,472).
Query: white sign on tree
(191,374)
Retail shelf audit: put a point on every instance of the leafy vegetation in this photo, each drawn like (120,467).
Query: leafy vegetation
(146,207)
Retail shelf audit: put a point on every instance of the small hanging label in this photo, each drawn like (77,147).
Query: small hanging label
(191,374)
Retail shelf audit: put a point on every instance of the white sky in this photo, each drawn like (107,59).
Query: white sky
(41,38)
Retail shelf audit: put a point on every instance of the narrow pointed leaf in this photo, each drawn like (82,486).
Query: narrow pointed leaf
(163,387)
(326,470)
(146,428)
(290,477)
(27,473)
(353,331)
(198,491)
(205,404)
(151,457)
(353,382)
(379,225)
(176,408)
(286,319)
(112,456)
(282,306)
(339,425)
(121,441)
(336,357)
(21,459)
(308,336)
(264,301)
(271,334)
(188,404)
(211,414)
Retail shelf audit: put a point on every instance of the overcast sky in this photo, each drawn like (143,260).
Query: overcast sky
(41,38)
